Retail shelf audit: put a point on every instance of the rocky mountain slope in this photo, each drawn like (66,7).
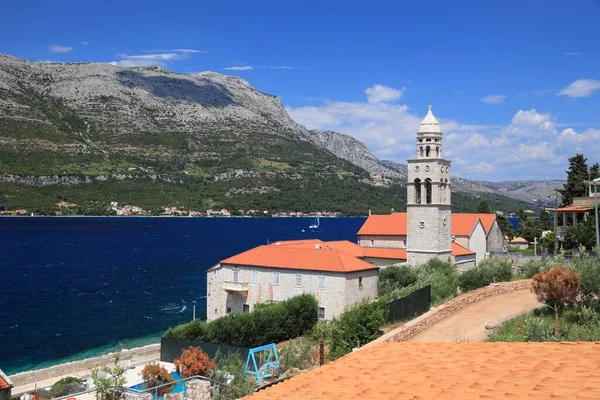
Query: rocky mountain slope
(95,133)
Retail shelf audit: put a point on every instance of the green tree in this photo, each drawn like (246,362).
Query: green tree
(577,176)
(109,380)
(505,226)
(595,171)
(584,233)
(484,207)
(548,242)
(530,229)
(67,385)
(546,220)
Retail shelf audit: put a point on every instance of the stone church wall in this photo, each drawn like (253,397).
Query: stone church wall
(495,238)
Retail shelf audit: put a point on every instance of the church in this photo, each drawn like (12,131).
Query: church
(428,229)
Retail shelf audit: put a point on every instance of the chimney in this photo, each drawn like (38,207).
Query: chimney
(317,246)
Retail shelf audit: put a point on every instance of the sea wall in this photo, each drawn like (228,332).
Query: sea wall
(435,315)
(127,357)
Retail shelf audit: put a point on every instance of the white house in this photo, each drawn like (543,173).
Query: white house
(281,270)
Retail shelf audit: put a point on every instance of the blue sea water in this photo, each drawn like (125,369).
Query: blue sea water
(73,288)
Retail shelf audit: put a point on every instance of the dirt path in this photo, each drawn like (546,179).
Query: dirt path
(468,324)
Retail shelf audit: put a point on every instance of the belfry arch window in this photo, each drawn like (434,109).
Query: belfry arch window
(437,151)
(418,191)
(427,150)
(428,191)
(421,151)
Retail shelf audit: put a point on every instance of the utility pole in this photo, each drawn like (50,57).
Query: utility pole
(596,181)
(556,223)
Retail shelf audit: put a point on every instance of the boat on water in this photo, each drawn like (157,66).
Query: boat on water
(316,223)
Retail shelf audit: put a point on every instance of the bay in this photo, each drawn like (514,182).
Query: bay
(78,287)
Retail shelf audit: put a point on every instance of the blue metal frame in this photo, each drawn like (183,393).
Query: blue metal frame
(268,365)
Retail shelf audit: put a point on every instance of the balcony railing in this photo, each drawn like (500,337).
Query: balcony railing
(232,286)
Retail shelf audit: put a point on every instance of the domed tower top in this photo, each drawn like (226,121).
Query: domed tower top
(429,137)
(429,124)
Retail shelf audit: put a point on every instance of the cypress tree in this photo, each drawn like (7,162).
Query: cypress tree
(577,176)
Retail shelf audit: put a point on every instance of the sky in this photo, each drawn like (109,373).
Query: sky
(514,84)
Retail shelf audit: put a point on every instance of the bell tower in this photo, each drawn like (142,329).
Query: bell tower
(428,201)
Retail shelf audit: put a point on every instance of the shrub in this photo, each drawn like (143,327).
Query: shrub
(109,381)
(229,370)
(67,385)
(488,271)
(296,354)
(396,277)
(533,267)
(557,288)
(588,270)
(193,361)
(360,323)
(443,278)
(155,375)
(274,323)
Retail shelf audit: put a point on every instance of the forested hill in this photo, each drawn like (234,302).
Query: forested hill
(96,133)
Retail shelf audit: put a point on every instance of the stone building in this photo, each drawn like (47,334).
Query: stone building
(334,273)
(428,197)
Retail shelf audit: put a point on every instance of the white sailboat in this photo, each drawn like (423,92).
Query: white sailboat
(316,224)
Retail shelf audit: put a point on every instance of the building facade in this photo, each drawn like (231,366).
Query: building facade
(282,270)
(428,197)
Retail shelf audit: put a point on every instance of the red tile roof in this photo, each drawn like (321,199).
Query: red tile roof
(303,256)
(444,371)
(574,209)
(519,240)
(5,382)
(458,250)
(395,224)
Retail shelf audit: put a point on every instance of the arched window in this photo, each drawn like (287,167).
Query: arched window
(428,190)
(421,151)
(427,150)
(437,151)
(442,192)
(418,191)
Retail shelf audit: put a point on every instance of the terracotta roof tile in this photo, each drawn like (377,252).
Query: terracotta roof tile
(5,382)
(395,224)
(303,255)
(442,371)
(574,209)
(458,250)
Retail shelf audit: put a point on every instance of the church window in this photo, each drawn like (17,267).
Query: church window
(437,151)
(437,140)
(428,191)
(420,140)
(421,151)
(421,224)
(427,150)
(418,191)
(428,140)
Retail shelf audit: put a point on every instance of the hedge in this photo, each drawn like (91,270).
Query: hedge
(269,324)
(488,271)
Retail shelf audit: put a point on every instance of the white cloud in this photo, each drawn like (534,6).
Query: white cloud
(190,51)
(85,43)
(493,98)
(382,94)
(239,68)
(57,49)
(573,53)
(528,146)
(156,58)
(48,61)
(581,88)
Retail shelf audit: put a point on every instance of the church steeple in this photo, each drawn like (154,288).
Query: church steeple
(428,200)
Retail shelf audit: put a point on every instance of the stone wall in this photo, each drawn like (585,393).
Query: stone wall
(495,238)
(383,241)
(24,378)
(437,314)
(198,389)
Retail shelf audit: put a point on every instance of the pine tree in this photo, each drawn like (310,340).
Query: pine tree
(577,176)
(484,207)
(595,171)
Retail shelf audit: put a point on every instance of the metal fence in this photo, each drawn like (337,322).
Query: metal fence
(418,302)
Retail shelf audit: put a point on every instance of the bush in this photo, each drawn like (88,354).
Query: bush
(396,277)
(488,271)
(588,270)
(154,375)
(297,354)
(275,323)
(67,385)
(229,370)
(443,278)
(533,267)
(193,361)
(360,323)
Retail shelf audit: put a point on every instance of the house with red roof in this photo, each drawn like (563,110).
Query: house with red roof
(337,273)
(6,386)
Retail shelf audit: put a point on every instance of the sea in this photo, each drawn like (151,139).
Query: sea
(79,287)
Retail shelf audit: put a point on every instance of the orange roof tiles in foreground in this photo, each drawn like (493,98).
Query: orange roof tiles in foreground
(5,382)
(574,209)
(443,371)
(302,257)
(395,224)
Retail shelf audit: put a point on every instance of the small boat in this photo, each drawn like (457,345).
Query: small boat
(316,224)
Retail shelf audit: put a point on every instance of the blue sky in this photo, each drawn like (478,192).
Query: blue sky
(516,85)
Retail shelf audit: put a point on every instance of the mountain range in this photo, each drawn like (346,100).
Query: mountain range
(93,133)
